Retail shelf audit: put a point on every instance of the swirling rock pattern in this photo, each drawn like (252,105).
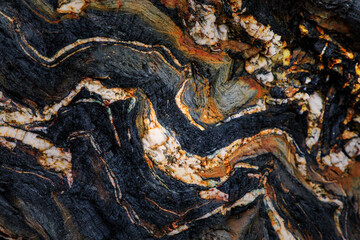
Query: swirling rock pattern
(179,119)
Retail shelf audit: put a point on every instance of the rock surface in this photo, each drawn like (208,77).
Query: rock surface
(179,119)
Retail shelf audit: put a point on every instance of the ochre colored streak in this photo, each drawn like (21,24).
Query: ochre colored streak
(161,208)
(254,85)
(259,144)
(351,181)
(163,24)
(267,141)
(174,3)
(32,173)
(184,109)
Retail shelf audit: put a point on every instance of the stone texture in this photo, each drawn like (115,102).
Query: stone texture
(179,119)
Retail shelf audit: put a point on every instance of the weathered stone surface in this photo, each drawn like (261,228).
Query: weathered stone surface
(179,119)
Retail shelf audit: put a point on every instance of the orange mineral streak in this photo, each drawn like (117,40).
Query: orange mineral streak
(357,69)
(163,24)
(335,64)
(331,23)
(239,46)
(184,109)
(149,162)
(157,20)
(114,5)
(254,85)
(351,183)
(347,53)
(161,208)
(211,112)
(185,44)
(353,176)
(180,4)
(174,226)
(164,151)
(262,143)
(26,172)
(303,30)
(219,171)
(7,232)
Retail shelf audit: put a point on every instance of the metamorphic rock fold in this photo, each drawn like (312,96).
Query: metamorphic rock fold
(179,119)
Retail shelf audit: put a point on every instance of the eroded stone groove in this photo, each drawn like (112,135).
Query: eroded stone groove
(187,119)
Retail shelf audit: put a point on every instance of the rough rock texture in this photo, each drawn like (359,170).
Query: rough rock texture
(179,119)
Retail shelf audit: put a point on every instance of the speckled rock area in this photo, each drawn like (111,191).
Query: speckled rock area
(179,119)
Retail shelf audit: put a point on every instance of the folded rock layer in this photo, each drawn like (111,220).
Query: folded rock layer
(179,119)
